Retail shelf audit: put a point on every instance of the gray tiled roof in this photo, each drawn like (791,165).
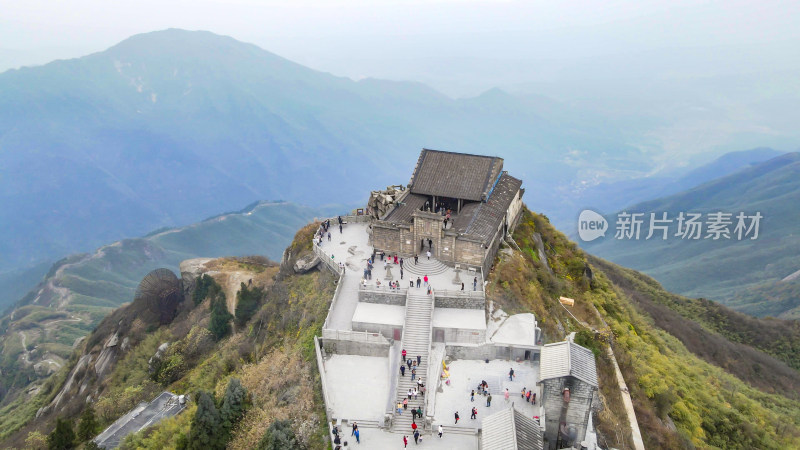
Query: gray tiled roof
(402,213)
(510,429)
(568,359)
(480,220)
(455,175)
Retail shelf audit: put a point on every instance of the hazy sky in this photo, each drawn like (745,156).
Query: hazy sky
(459,46)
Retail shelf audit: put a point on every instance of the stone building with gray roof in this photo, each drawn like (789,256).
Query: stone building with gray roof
(483,202)
(568,377)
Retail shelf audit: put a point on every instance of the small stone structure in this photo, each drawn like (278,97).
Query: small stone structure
(568,377)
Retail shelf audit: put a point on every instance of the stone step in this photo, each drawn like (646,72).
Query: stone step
(454,430)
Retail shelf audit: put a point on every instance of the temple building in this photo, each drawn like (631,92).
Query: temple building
(458,206)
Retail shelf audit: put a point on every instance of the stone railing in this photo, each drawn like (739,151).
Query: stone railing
(355,336)
(382,295)
(334,300)
(429,403)
(328,261)
(322,379)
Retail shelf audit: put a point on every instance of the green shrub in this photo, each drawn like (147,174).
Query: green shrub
(280,436)
(247,302)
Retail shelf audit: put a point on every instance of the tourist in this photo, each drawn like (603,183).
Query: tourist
(413,414)
(418,282)
(429,290)
(413,373)
(340,228)
(405,403)
(416,259)
(410,283)
(506,395)
(405,441)
(358,436)
(441,430)
(462,286)
(475,284)
(426,280)
(329,236)
(474,413)
(419,412)
(408,363)
(511,374)
(528,397)
(399,408)
(395,259)
(401,263)
(523,392)
(533,399)
(416,437)
(419,360)
(457,417)
(413,426)
(415,393)
(489,401)
(429,255)
(472,396)
(410,393)
(402,370)
(355,428)
(404,353)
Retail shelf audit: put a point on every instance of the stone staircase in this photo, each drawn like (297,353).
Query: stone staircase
(424,267)
(416,341)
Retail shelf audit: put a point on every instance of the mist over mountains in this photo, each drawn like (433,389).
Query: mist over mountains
(169,127)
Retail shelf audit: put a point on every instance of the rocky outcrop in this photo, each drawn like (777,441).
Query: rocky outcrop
(537,239)
(306,263)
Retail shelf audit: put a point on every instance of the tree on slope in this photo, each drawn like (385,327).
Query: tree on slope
(87,427)
(234,404)
(63,437)
(204,433)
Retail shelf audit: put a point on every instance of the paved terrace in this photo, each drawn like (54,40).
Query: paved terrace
(352,248)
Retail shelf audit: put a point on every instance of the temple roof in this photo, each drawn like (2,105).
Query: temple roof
(455,175)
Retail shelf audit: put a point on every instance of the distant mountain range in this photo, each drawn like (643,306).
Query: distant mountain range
(748,275)
(169,127)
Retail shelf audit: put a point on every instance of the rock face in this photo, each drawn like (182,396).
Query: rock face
(306,263)
(155,360)
(537,238)
(190,270)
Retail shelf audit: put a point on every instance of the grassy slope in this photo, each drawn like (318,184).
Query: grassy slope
(680,399)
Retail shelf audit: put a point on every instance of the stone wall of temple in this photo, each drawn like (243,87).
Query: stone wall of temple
(575,413)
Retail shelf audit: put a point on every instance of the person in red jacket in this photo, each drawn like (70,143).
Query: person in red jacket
(405,441)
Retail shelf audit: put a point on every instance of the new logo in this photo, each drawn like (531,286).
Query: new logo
(591,225)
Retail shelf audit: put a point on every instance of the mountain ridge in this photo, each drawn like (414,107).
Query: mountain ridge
(719,270)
